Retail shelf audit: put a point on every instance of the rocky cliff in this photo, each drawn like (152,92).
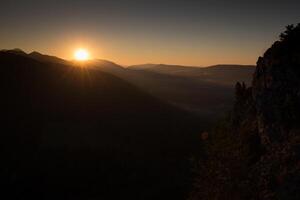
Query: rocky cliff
(276,97)
(255,153)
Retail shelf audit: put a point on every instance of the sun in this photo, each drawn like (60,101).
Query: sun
(81,55)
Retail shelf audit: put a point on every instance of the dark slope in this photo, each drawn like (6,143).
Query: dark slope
(75,133)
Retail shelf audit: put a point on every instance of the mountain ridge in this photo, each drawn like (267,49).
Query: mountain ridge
(223,74)
(205,91)
(69,127)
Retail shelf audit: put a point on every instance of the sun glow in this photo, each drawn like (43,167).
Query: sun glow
(81,55)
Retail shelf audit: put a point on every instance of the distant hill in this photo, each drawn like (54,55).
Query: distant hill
(222,74)
(142,66)
(205,91)
(106,66)
(163,68)
(189,93)
(85,134)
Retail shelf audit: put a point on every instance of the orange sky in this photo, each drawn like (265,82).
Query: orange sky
(198,33)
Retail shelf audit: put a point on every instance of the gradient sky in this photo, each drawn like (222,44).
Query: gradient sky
(129,32)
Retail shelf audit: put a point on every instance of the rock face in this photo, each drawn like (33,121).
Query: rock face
(276,97)
(276,87)
(255,153)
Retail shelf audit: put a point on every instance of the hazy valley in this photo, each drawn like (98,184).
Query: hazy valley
(71,124)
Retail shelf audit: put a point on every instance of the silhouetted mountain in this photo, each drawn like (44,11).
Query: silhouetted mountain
(14,51)
(106,66)
(221,74)
(207,99)
(46,58)
(78,133)
(142,66)
(254,154)
(163,68)
(205,91)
